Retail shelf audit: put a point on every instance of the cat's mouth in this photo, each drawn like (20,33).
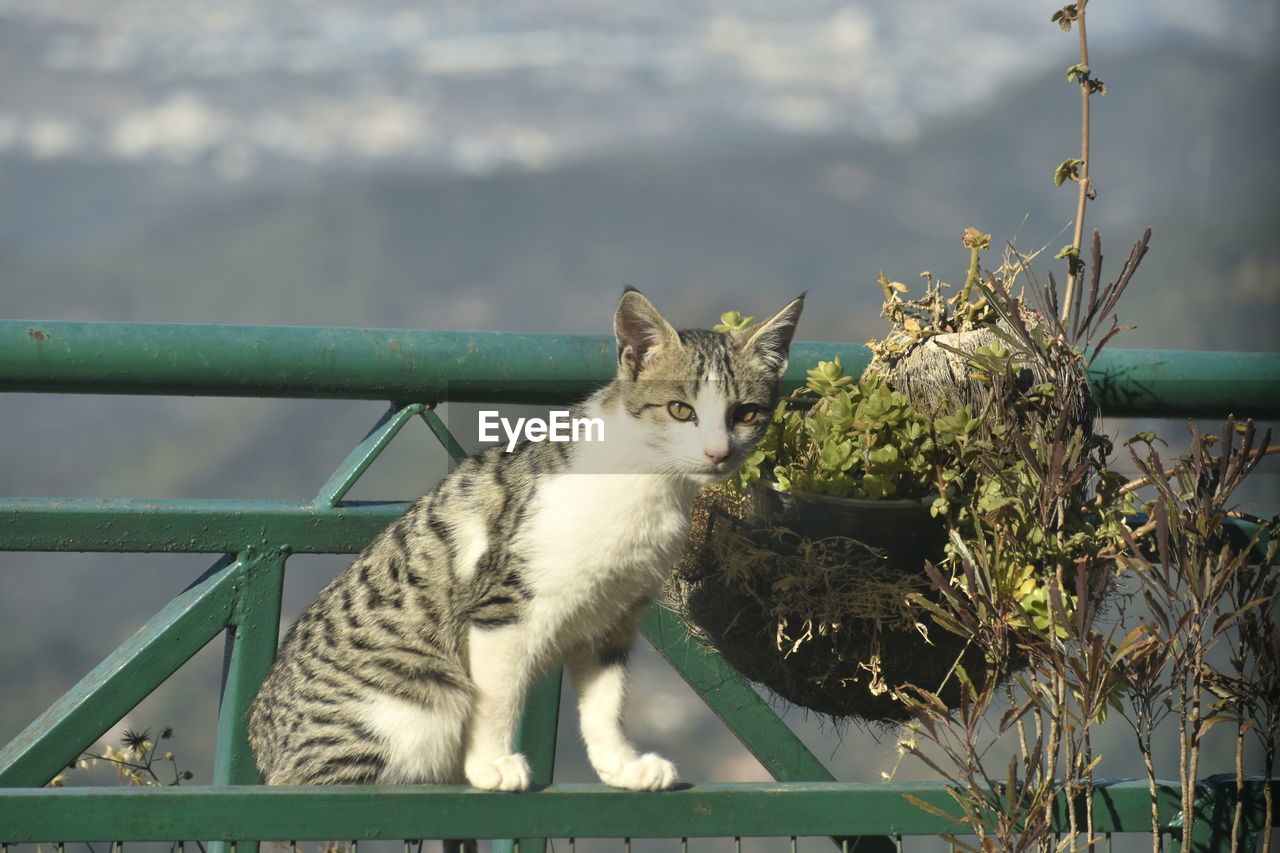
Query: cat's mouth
(716,472)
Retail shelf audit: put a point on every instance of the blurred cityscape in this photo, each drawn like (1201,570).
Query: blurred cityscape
(239,87)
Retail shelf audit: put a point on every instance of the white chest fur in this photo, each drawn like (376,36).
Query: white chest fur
(610,519)
(598,543)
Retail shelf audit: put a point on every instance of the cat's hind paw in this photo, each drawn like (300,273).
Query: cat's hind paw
(508,773)
(649,772)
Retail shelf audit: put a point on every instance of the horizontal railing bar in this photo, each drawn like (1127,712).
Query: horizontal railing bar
(214,525)
(582,811)
(439,366)
(191,526)
(295,361)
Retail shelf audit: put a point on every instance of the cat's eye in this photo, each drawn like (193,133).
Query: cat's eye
(748,413)
(680,411)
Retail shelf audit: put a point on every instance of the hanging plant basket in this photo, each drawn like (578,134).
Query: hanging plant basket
(807,573)
(807,595)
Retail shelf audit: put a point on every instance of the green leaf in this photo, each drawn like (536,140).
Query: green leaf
(1068,170)
(836,456)
(732,321)
(1065,16)
(931,809)
(885,456)
(1079,71)
(839,412)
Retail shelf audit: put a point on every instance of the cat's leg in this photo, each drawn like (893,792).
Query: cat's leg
(500,661)
(599,676)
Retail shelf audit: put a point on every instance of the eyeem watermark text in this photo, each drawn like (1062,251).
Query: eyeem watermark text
(557,426)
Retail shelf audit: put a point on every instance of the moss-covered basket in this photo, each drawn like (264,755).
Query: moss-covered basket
(806,595)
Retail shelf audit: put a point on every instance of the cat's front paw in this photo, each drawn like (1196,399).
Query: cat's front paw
(508,773)
(649,772)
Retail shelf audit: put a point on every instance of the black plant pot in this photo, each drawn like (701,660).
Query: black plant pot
(901,528)
(824,674)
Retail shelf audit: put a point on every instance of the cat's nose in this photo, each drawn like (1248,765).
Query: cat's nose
(716,454)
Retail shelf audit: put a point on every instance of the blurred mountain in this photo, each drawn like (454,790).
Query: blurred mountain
(1183,144)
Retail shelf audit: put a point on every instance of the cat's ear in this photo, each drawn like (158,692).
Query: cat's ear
(770,342)
(643,335)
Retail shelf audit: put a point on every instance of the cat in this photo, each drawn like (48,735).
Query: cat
(413,664)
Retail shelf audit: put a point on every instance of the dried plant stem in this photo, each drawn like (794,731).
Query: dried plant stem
(1145,689)
(1088,787)
(1193,752)
(974,275)
(1085,185)
(1237,818)
(1151,789)
(1058,711)
(1187,794)
(1269,808)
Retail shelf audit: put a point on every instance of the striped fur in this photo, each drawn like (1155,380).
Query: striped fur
(413,664)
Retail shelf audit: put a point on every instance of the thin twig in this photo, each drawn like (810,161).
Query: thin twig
(1082,197)
(1139,482)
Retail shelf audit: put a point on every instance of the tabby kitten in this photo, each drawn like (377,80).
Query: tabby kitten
(414,663)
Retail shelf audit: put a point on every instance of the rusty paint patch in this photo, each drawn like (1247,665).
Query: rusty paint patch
(37,335)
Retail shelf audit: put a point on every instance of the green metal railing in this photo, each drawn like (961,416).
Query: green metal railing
(382,364)
(239,597)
